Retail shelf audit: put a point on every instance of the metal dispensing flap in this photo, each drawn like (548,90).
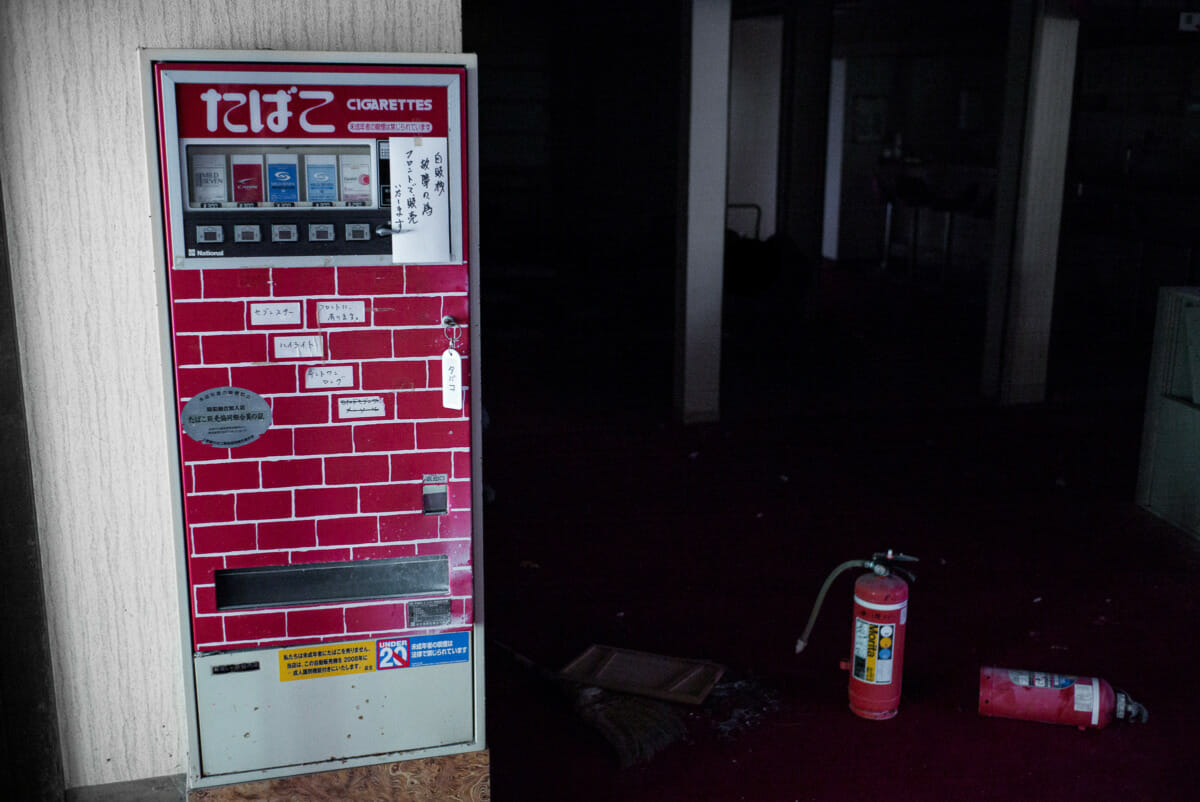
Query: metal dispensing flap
(274,586)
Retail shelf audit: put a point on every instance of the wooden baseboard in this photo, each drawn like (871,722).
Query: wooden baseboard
(464,777)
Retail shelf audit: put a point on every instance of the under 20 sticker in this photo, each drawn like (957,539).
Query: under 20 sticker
(423,650)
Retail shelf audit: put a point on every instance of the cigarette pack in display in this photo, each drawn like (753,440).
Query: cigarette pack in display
(247,177)
(283,178)
(320,178)
(356,178)
(208,178)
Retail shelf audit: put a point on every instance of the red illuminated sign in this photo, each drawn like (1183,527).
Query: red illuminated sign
(303,111)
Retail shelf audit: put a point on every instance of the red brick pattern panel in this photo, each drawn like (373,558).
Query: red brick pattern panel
(325,483)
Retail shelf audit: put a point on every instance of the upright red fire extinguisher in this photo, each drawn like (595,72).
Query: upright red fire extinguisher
(880,619)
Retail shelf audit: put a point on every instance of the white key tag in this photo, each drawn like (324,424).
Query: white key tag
(452,379)
(452,395)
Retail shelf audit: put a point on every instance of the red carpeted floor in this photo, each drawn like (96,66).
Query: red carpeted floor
(611,525)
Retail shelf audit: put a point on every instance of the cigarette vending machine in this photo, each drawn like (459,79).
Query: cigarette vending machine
(316,223)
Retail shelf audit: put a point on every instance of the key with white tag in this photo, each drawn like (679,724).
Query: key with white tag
(452,384)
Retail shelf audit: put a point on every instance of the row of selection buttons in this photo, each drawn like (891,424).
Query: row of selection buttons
(317,232)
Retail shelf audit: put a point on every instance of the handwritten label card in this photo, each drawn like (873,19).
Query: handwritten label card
(279,314)
(420,199)
(321,377)
(299,346)
(369,406)
(334,312)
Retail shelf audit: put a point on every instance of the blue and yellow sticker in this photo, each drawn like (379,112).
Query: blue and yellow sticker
(364,657)
(326,660)
(422,650)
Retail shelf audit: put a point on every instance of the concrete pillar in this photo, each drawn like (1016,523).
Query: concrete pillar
(807,61)
(833,159)
(700,274)
(1029,205)
(77,202)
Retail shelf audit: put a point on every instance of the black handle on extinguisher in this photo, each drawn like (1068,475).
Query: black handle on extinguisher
(888,561)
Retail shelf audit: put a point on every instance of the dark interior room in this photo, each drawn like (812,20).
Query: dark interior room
(862,395)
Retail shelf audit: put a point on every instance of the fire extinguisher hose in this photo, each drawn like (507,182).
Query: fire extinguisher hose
(812,618)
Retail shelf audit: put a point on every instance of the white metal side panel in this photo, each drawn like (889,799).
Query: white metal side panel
(1175,491)
(1169,468)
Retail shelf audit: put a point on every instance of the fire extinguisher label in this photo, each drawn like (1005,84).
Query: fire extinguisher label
(1039,679)
(1085,700)
(873,651)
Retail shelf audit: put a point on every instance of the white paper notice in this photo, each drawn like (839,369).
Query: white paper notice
(333,312)
(420,199)
(300,346)
(320,376)
(281,314)
(369,406)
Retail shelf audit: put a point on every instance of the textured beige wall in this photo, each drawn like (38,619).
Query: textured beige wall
(73,171)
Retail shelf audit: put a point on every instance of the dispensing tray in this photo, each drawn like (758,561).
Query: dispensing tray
(675,679)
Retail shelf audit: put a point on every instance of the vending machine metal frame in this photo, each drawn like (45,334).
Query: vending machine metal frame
(293,724)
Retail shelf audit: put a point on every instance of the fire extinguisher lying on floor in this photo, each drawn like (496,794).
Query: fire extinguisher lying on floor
(877,638)
(1054,698)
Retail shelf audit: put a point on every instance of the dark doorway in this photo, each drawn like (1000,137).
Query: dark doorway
(1132,196)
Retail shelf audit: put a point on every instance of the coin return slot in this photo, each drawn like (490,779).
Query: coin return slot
(435,500)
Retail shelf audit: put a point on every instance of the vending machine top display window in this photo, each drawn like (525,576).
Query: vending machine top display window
(265,168)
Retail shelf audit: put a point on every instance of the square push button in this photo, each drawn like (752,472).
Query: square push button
(358,232)
(247,234)
(209,234)
(320,232)
(284,233)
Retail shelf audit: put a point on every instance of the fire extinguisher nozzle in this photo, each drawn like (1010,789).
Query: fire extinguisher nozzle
(1129,710)
(800,644)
